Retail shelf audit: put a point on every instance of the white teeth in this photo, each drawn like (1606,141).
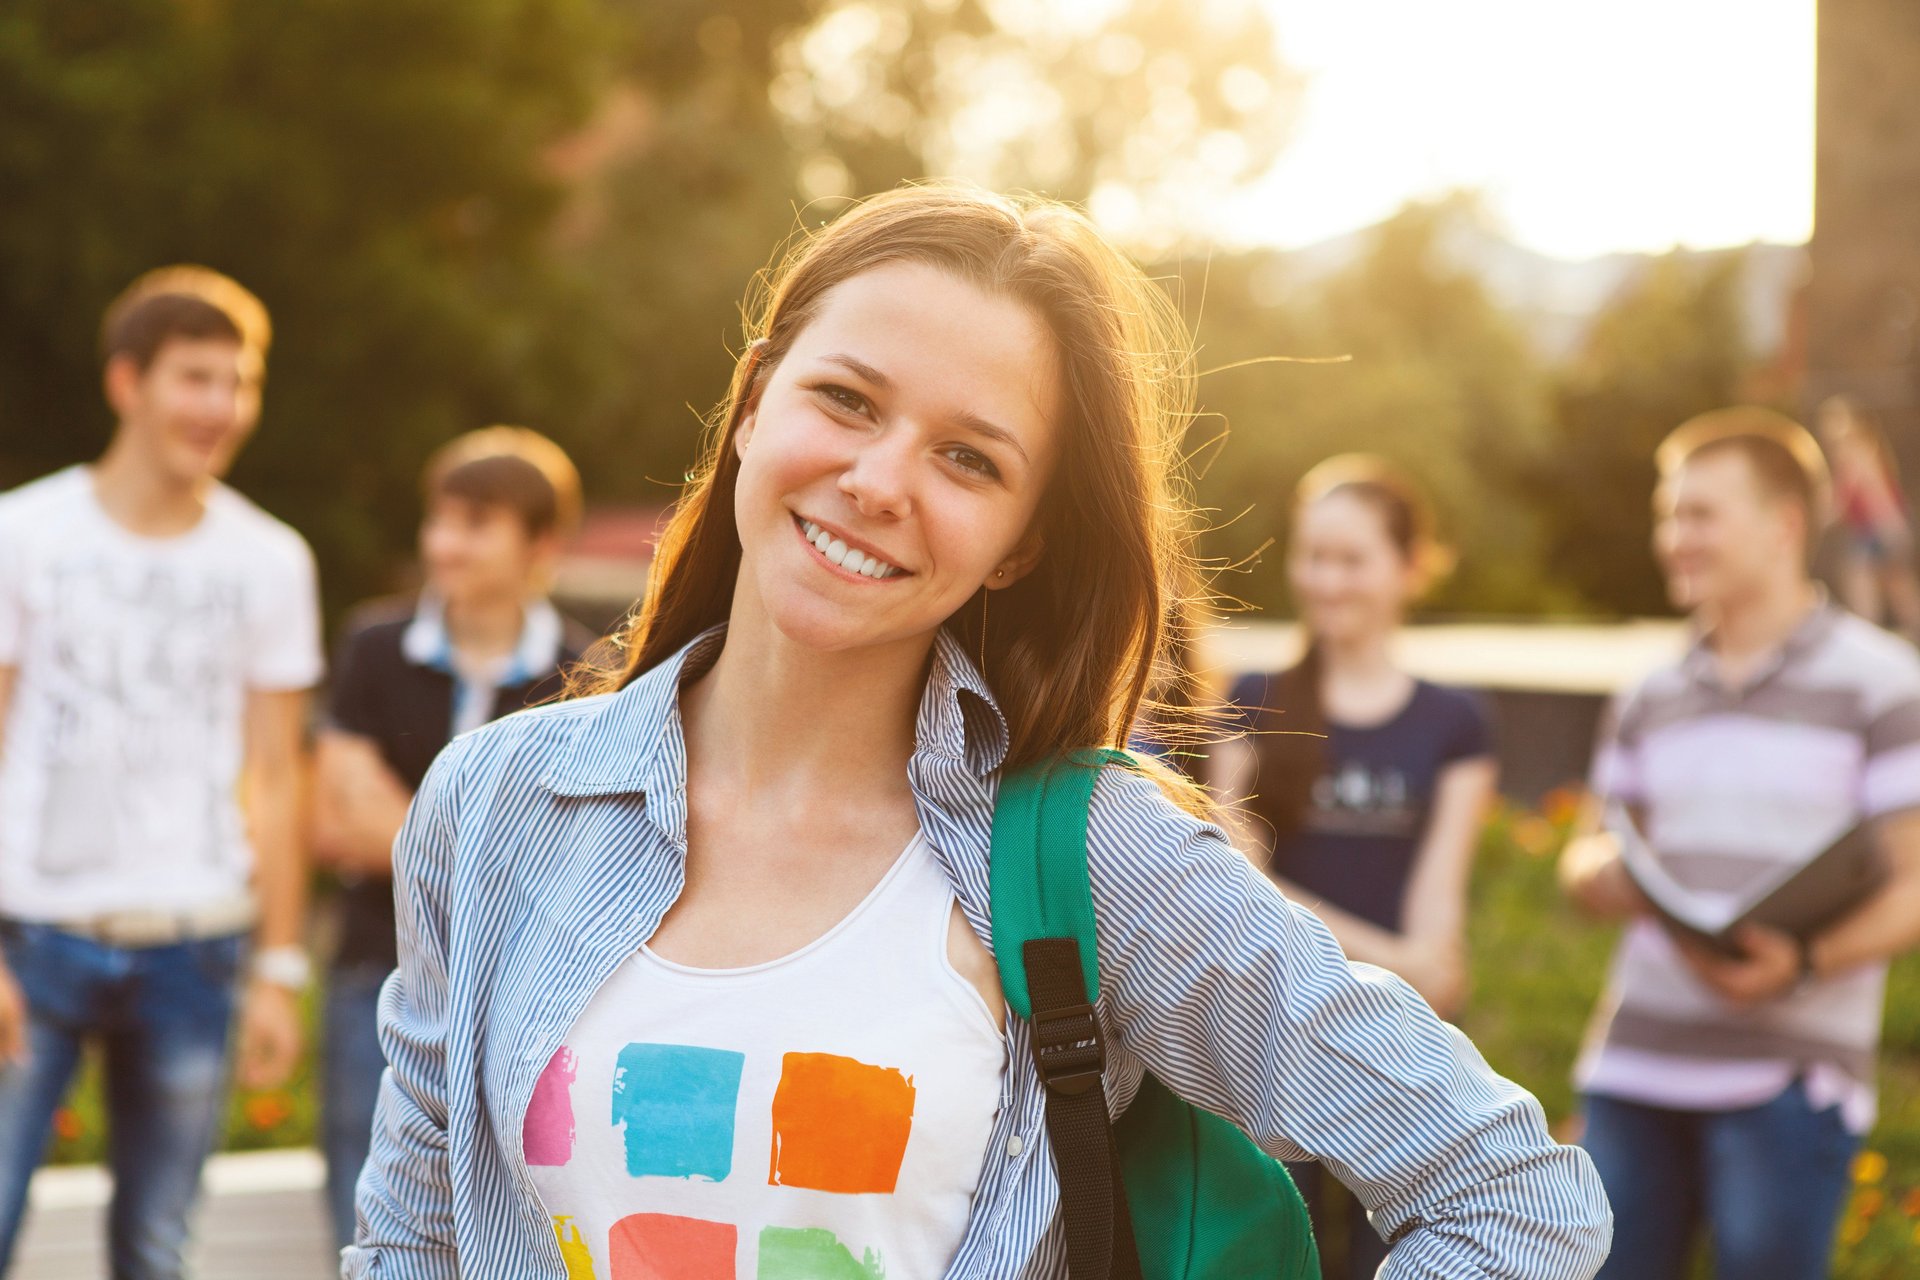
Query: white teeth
(844,556)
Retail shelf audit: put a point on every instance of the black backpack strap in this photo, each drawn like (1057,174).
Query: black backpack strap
(1070,1054)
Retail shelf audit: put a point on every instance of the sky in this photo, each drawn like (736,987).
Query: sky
(1634,125)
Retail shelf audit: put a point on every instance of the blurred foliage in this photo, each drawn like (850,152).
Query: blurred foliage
(1541,472)
(548,211)
(1439,379)
(371,168)
(1668,347)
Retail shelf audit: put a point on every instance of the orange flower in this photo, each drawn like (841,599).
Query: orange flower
(1910,1203)
(265,1110)
(66,1124)
(1534,834)
(1561,805)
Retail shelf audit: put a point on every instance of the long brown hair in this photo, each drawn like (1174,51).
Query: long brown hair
(1074,647)
(1292,760)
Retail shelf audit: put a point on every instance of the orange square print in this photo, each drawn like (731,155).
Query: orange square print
(660,1246)
(839,1125)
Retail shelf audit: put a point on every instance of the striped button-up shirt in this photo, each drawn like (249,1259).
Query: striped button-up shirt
(543,849)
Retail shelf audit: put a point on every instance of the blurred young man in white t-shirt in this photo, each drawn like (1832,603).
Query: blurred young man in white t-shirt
(158,635)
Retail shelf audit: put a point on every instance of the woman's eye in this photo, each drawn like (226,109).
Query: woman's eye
(973,462)
(841,398)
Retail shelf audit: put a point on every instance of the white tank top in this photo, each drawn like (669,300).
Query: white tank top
(824,1114)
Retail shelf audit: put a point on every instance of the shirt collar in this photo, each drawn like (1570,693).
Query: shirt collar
(1701,666)
(632,740)
(426,642)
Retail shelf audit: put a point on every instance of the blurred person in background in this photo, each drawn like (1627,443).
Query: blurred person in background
(1362,788)
(479,641)
(1730,1092)
(158,636)
(1876,576)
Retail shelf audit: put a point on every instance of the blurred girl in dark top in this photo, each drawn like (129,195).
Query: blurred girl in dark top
(1365,786)
(480,640)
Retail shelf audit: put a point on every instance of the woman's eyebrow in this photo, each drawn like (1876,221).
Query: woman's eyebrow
(862,368)
(973,422)
(965,418)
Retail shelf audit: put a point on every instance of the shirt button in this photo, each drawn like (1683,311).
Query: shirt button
(1015,1146)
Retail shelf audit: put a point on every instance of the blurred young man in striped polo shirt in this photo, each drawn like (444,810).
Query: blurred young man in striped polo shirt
(1731,1093)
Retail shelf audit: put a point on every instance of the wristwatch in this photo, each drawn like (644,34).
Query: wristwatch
(1806,958)
(285,966)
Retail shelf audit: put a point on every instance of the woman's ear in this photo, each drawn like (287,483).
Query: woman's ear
(750,382)
(1025,558)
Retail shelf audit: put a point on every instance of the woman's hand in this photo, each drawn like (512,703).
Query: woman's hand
(13,1020)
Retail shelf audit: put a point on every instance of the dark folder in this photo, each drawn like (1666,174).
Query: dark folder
(1801,901)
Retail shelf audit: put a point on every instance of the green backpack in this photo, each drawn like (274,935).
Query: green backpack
(1169,1191)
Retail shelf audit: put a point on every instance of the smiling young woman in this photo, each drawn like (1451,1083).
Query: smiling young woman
(730,912)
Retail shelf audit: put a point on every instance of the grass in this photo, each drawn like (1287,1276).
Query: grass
(1537,970)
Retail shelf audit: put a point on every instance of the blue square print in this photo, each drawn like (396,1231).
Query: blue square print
(677,1102)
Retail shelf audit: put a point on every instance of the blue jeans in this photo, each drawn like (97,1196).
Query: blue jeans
(1766,1182)
(351,1073)
(161,1016)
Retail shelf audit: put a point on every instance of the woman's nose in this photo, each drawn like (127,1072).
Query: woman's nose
(879,477)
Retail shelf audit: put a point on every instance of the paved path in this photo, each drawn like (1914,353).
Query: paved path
(261,1218)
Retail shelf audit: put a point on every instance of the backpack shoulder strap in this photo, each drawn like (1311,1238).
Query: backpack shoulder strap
(1044,940)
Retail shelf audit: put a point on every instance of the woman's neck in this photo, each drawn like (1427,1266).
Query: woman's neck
(1359,683)
(773,715)
(1359,659)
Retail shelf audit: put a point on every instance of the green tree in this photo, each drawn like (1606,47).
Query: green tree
(1669,346)
(543,211)
(372,168)
(1438,379)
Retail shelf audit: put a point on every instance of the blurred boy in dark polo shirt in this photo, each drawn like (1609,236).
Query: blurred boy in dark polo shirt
(480,641)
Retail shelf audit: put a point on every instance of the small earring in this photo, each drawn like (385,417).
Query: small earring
(984,595)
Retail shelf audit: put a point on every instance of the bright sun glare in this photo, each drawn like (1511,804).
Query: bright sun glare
(1635,125)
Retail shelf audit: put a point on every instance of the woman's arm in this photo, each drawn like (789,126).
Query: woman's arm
(1430,954)
(358,804)
(1242,1003)
(405,1198)
(1433,914)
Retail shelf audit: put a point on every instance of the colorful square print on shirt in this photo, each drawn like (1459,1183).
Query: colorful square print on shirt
(547,1132)
(677,1103)
(839,1124)
(813,1253)
(660,1246)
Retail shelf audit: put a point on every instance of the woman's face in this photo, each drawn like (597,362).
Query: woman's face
(1350,580)
(894,460)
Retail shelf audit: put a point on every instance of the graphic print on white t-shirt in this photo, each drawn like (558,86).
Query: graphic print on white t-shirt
(121,758)
(817,1118)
